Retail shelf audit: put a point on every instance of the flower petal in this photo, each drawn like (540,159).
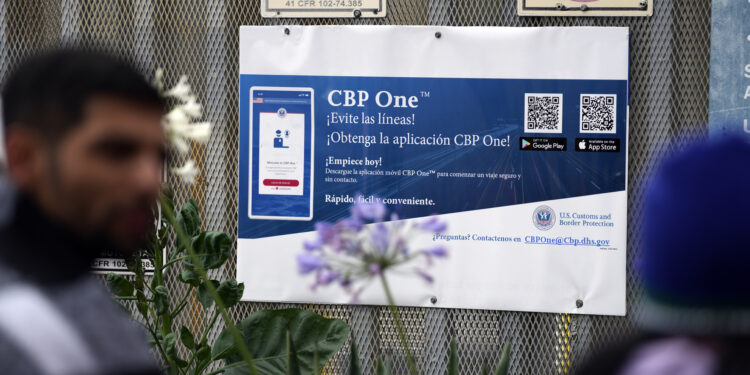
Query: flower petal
(433,224)
(437,251)
(307,263)
(181,90)
(199,132)
(187,172)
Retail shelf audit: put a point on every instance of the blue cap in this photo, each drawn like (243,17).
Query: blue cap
(696,228)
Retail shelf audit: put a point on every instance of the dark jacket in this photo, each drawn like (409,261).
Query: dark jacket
(55,316)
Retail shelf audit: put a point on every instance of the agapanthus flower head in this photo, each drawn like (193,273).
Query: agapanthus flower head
(356,249)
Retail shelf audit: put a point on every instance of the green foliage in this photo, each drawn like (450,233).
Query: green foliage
(453,359)
(293,334)
(355,367)
(213,249)
(119,285)
(285,341)
(383,368)
(204,296)
(504,363)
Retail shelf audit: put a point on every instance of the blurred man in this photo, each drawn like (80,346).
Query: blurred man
(85,150)
(694,265)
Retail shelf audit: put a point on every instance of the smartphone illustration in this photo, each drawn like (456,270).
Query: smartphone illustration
(282,129)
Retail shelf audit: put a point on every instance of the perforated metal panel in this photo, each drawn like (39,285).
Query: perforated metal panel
(668,108)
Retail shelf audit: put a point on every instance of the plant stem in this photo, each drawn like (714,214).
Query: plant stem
(161,350)
(126,298)
(175,260)
(182,237)
(182,303)
(166,321)
(205,334)
(227,367)
(412,364)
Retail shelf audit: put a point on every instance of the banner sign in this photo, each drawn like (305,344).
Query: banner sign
(516,137)
(607,8)
(729,92)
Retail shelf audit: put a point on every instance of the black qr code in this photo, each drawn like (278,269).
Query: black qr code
(598,113)
(543,113)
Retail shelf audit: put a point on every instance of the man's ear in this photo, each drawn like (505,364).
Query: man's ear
(23,148)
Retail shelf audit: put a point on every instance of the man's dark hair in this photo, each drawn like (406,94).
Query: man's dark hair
(48,92)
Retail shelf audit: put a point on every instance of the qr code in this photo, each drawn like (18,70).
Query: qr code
(598,113)
(543,113)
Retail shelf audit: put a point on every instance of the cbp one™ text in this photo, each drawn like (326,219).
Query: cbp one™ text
(383,99)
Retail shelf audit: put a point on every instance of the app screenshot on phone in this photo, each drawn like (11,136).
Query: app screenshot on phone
(281,153)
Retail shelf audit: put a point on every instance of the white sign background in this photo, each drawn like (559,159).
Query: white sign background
(476,275)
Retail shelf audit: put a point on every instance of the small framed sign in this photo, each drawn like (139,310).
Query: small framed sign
(585,8)
(322,8)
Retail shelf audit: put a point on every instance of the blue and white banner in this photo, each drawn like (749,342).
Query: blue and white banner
(516,137)
(729,92)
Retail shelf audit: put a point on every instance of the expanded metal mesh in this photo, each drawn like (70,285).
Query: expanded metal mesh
(668,108)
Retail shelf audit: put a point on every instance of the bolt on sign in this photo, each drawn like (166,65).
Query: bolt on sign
(585,8)
(322,8)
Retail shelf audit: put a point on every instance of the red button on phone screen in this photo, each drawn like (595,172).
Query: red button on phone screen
(268,182)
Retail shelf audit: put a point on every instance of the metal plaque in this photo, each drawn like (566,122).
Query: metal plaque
(585,7)
(323,8)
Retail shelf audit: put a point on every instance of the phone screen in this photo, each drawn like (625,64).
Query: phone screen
(281,157)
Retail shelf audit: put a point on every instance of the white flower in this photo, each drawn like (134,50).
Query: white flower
(181,90)
(187,172)
(192,108)
(159,79)
(178,123)
(199,132)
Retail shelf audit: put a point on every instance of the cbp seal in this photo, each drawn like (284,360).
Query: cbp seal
(543,217)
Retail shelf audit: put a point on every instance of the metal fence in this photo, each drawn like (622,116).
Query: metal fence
(668,108)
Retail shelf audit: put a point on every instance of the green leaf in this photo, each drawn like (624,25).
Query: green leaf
(203,356)
(187,338)
(170,348)
(453,359)
(119,285)
(135,265)
(383,368)
(189,277)
(230,292)
(316,361)
(204,295)
(484,370)
(504,363)
(355,368)
(189,218)
(161,299)
(224,345)
(141,304)
(265,334)
(292,360)
(212,250)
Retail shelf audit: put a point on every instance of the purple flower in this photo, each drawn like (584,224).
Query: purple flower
(401,244)
(326,231)
(352,224)
(375,268)
(433,224)
(373,211)
(307,263)
(380,237)
(426,276)
(437,251)
(325,276)
(362,247)
(313,245)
